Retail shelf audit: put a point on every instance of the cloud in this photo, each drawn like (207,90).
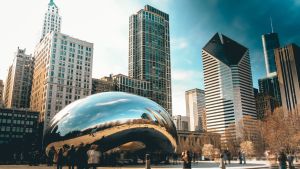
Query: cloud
(186,75)
(179,43)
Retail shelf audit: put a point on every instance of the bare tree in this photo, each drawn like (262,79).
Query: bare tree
(247,147)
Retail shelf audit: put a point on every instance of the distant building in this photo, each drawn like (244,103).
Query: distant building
(270,42)
(102,85)
(19,134)
(52,19)
(265,105)
(1,93)
(269,86)
(194,141)
(19,81)
(62,73)
(229,95)
(195,109)
(149,53)
(288,70)
(135,86)
(182,122)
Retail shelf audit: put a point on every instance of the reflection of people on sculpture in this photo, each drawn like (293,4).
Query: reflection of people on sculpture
(93,156)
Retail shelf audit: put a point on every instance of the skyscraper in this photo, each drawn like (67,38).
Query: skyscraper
(149,53)
(228,87)
(269,86)
(52,19)
(19,80)
(62,73)
(288,69)
(1,93)
(181,122)
(270,42)
(195,109)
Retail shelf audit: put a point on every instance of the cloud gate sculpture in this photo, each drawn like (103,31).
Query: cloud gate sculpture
(114,121)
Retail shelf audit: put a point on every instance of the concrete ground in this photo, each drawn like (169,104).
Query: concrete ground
(200,165)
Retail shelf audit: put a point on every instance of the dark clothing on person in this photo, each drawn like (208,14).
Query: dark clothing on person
(240,157)
(59,161)
(282,160)
(187,160)
(71,158)
(51,156)
(81,157)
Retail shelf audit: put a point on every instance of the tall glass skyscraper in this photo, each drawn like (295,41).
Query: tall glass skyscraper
(149,53)
(270,42)
(228,88)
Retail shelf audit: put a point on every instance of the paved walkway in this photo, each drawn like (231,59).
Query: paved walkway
(200,165)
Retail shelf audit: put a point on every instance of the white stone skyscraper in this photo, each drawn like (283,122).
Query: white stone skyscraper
(195,109)
(62,73)
(149,53)
(52,19)
(229,97)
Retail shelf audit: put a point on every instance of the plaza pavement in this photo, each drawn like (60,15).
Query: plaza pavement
(199,165)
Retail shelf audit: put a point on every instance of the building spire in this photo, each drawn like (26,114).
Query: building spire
(51,2)
(272,29)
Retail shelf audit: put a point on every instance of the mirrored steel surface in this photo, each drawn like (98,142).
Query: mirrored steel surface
(112,120)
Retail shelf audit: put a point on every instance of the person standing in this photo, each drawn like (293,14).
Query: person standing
(51,154)
(244,157)
(186,160)
(282,160)
(225,157)
(290,159)
(59,159)
(240,157)
(80,154)
(93,157)
(228,156)
(222,164)
(71,157)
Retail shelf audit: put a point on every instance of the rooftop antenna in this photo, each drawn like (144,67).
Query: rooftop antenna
(271,24)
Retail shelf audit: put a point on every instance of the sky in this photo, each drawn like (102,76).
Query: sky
(192,23)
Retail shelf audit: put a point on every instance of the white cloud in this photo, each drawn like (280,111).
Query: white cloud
(179,43)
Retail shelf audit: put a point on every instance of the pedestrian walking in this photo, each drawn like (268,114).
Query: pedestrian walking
(290,159)
(229,156)
(50,156)
(93,157)
(187,161)
(282,160)
(225,157)
(222,164)
(71,157)
(240,157)
(244,157)
(59,159)
(80,154)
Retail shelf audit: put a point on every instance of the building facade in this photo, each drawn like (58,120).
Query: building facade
(131,85)
(18,134)
(270,42)
(19,81)
(288,70)
(62,73)
(149,53)
(265,105)
(269,86)
(182,122)
(1,93)
(102,85)
(228,87)
(195,109)
(52,19)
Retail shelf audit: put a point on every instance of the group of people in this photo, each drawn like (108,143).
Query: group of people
(283,158)
(84,157)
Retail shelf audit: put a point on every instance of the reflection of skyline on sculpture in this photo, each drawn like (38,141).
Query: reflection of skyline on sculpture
(119,117)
